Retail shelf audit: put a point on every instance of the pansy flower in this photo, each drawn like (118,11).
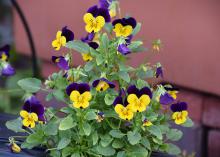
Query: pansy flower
(139,99)
(7,70)
(147,122)
(79,94)
(61,62)
(86,56)
(32,112)
(100,117)
(172,91)
(123,49)
(124,27)
(123,109)
(4,52)
(62,37)
(166,99)
(180,112)
(95,19)
(103,84)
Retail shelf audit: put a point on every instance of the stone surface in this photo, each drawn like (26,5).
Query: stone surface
(214,144)
(211,112)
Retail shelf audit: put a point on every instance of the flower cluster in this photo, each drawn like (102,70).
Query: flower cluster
(5,68)
(106,107)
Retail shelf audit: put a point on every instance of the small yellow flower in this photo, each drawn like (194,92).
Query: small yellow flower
(138,104)
(29,119)
(93,23)
(4,57)
(59,41)
(125,113)
(180,117)
(80,100)
(147,123)
(15,148)
(112,12)
(121,30)
(86,57)
(102,86)
(173,94)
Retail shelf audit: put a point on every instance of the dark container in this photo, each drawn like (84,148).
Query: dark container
(159,154)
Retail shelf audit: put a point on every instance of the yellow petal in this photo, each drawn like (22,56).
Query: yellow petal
(86,57)
(63,40)
(184,113)
(58,34)
(24,114)
(26,122)
(174,115)
(132,98)
(86,96)
(88,18)
(117,29)
(32,124)
(85,104)
(119,108)
(100,21)
(145,100)
(74,96)
(89,28)
(34,116)
(56,45)
(127,31)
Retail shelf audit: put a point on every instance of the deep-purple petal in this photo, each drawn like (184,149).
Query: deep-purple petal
(89,37)
(133,90)
(83,87)
(104,13)
(63,64)
(159,72)
(118,100)
(5,49)
(166,99)
(71,87)
(123,49)
(146,91)
(94,45)
(68,34)
(105,3)
(93,10)
(178,107)
(95,83)
(131,21)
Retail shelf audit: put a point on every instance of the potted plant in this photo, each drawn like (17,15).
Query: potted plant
(110,108)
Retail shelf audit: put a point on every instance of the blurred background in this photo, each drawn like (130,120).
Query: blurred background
(189,31)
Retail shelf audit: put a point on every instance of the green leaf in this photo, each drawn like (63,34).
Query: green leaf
(137,29)
(88,66)
(116,134)
(173,149)
(124,76)
(36,138)
(109,99)
(108,27)
(78,46)
(174,135)
(91,115)
(106,140)
(15,125)
(87,129)
(117,144)
(155,130)
(75,155)
(141,84)
(63,143)
(49,97)
(121,154)
(189,123)
(104,42)
(67,123)
(59,95)
(31,85)
(51,128)
(95,138)
(133,137)
(67,151)
(99,59)
(105,151)
(146,143)
(135,45)
(137,151)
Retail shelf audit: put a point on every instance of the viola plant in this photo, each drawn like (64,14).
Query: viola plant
(105,107)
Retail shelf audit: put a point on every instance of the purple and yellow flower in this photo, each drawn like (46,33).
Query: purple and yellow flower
(14,147)
(7,70)
(139,99)
(79,94)
(32,112)
(95,19)
(103,84)
(108,5)
(62,37)
(124,27)
(61,62)
(123,109)
(180,112)
(86,56)
(166,99)
(4,52)
(69,77)
(100,117)
(123,49)
(147,122)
